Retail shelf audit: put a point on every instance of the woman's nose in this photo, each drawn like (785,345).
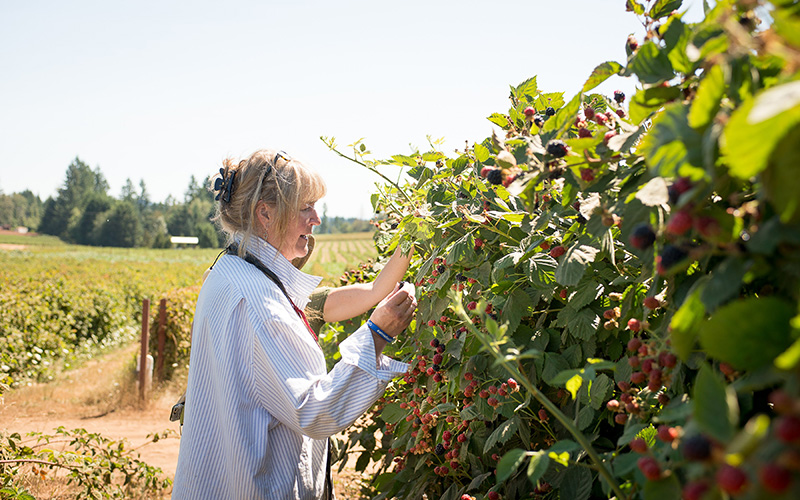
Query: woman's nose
(315,220)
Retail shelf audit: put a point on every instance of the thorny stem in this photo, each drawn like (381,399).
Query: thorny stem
(332,147)
(539,396)
(34,461)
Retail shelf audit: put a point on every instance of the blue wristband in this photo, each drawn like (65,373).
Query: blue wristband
(372,326)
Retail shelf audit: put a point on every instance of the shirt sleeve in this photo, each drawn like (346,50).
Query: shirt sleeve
(291,383)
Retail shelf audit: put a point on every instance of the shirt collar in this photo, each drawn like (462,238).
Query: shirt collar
(298,284)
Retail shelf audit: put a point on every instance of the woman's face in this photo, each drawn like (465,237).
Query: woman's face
(295,243)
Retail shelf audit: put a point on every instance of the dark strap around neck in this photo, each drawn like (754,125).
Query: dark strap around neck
(233,249)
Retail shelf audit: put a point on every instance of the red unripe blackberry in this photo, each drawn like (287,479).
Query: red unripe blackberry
(468,376)
(667,434)
(587,174)
(461,438)
(663,398)
(638,378)
(680,223)
(624,385)
(731,479)
(634,361)
(485,171)
(483,394)
(787,428)
(529,112)
(781,401)
(620,418)
(774,478)
(431,322)
(588,111)
(472,305)
(493,402)
(608,135)
(492,389)
(620,112)
(613,405)
(454,464)
(644,350)
(707,226)
(469,391)
(642,237)
(633,44)
(557,149)
(652,303)
(435,343)
(695,490)
(545,245)
(543,415)
(727,369)
(478,242)
(583,133)
(697,447)
(563,293)
(557,251)
(634,325)
(600,118)
(634,344)
(437,377)
(430,371)
(437,359)
(647,365)
(667,360)
(639,445)
(513,384)
(649,467)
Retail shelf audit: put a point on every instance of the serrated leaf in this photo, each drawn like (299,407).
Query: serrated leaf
(392,413)
(650,64)
(574,264)
(526,90)
(750,333)
(757,126)
(515,309)
(685,324)
(712,411)
(482,153)
(583,324)
(542,269)
(499,120)
(663,8)
(585,295)
(645,102)
(726,279)
(564,117)
(478,480)
(538,466)
(577,483)
(655,193)
(671,147)
(509,464)
(635,7)
(601,73)
(500,435)
(708,99)
(598,391)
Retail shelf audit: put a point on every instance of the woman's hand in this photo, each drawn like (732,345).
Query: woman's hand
(394,313)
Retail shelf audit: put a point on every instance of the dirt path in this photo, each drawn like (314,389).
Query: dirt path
(101,397)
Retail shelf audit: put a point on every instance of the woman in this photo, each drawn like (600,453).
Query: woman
(259,403)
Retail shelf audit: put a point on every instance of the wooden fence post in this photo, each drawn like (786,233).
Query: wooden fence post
(162,338)
(143,356)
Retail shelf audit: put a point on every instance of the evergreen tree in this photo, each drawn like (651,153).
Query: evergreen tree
(123,227)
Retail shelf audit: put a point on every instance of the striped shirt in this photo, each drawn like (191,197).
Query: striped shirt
(260,403)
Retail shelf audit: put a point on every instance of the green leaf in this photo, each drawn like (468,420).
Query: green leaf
(559,458)
(781,176)
(542,269)
(647,101)
(564,117)
(501,434)
(663,489)
(482,153)
(686,323)
(537,466)
(601,73)
(750,333)
(655,193)
(650,64)
(573,385)
(631,431)
(515,309)
(712,410)
(636,7)
(726,279)
(499,120)
(598,391)
(392,413)
(663,8)
(509,464)
(757,126)
(574,264)
(708,99)
(577,483)
(583,324)
(790,357)
(676,38)
(672,148)
(526,90)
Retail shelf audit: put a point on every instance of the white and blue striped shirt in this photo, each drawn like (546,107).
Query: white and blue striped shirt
(260,404)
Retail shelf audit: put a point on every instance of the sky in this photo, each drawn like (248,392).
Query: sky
(163,90)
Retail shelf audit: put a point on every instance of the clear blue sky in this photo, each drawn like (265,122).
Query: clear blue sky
(162,90)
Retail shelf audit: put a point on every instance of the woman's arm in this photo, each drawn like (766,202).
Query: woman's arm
(349,301)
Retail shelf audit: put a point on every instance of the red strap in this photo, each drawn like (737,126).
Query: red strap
(305,320)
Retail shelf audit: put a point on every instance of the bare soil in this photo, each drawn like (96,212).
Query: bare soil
(102,397)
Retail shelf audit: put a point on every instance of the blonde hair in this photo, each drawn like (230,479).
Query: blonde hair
(283,183)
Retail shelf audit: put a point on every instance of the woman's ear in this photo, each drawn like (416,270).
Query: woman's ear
(262,215)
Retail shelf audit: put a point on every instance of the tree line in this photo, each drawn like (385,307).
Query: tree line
(84,212)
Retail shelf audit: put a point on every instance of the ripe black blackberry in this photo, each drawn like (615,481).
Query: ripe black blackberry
(460,277)
(557,149)
(436,368)
(440,449)
(619,96)
(697,447)
(642,236)
(550,111)
(670,256)
(441,268)
(495,177)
